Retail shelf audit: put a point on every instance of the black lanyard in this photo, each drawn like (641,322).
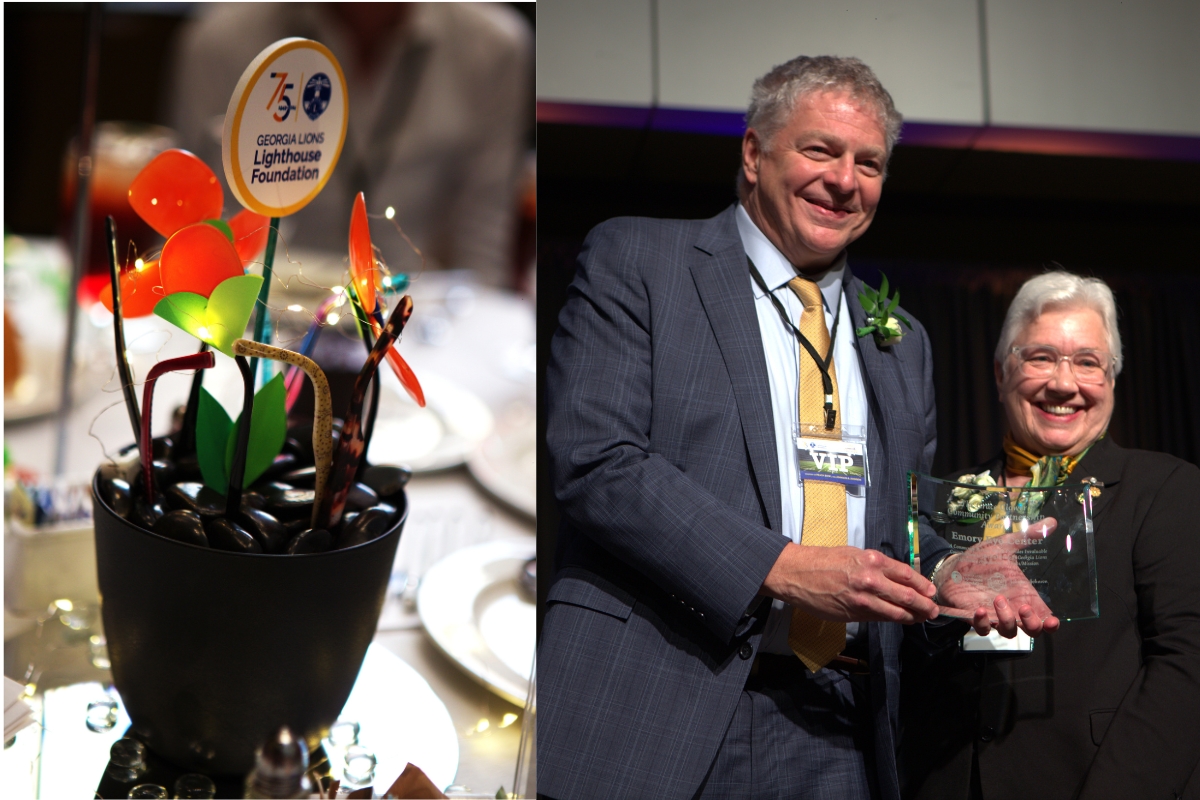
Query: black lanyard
(822,363)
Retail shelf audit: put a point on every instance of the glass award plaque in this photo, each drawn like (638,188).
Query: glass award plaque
(1032,545)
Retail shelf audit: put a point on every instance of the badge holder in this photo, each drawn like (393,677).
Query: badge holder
(839,459)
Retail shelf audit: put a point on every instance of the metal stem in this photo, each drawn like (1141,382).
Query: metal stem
(123,371)
(263,315)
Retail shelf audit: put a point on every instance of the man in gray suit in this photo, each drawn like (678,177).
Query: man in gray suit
(721,622)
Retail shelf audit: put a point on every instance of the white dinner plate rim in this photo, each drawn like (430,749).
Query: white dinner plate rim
(443,601)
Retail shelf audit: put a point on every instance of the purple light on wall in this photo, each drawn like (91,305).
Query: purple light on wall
(1048,141)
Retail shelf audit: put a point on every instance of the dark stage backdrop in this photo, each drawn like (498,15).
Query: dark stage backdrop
(957,232)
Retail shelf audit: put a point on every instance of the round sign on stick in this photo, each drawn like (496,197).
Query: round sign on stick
(284,127)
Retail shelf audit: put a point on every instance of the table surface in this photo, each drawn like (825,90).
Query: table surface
(481,339)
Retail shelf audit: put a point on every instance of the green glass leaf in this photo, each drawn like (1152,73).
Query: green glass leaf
(860,332)
(895,302)
(212,431)
(185,310)
(904,319)
(219,319)
(223,227)
(268,429)
(883,286)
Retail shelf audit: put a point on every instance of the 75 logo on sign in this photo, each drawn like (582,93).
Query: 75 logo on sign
(285,105)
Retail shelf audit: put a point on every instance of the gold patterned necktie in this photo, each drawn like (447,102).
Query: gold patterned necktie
(816,641)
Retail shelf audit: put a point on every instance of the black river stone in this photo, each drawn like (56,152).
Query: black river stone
(387,481)
(310,540)
(299,443)
(252,498)
(360,496)
(346,519)
(163,448)
(303,478)
(283,463)
(126,463)
(164,473)
(118,495)
(275,514)
(182,526)
(145,514)
(226,535)
(365,526)
(196,497)
(287,502)
(187,468)
(266,530)
(293,446)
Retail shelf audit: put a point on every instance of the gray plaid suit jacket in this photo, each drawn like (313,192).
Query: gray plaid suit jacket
(663,454)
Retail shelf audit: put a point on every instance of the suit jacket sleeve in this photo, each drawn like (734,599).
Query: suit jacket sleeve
(610,482)
(1149,748)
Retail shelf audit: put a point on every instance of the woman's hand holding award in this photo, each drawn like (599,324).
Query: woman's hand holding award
(1032,545)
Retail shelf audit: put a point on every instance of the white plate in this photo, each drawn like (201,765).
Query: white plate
(401,720)
(472,606)
(506,465)
(439,436)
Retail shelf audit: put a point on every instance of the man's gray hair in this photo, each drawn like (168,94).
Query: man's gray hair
(1055,291)
(773,97)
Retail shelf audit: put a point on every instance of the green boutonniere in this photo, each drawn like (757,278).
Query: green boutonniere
(882,319)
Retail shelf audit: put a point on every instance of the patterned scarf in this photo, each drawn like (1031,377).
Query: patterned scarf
(1043,471)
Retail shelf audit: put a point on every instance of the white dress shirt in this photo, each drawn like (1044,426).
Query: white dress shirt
(783,353)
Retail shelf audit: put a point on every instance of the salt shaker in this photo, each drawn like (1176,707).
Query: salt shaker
(280,767)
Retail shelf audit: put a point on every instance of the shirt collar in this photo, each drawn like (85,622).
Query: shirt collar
(775,268)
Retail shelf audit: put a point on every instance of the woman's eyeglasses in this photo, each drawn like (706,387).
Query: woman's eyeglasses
(1042,360)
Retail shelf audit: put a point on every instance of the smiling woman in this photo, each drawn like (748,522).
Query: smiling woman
(1115,699)
(1058,404)
(1057,362)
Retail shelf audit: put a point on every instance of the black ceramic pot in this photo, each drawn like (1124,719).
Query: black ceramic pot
(212,651)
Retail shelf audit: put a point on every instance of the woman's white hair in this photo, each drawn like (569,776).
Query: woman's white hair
(1060,290)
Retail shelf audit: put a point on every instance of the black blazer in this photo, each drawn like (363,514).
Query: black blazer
(1104,708)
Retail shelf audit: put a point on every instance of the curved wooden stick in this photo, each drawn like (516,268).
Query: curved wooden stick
(351,446)
(408,378)
(322,416)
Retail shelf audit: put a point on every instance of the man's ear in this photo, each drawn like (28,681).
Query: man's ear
(751,153)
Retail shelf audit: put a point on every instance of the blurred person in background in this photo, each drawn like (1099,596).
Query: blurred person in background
(1107,707)
(440,99)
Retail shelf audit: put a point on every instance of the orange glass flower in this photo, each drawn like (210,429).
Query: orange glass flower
(364,274)
(362,255)
(174,190)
